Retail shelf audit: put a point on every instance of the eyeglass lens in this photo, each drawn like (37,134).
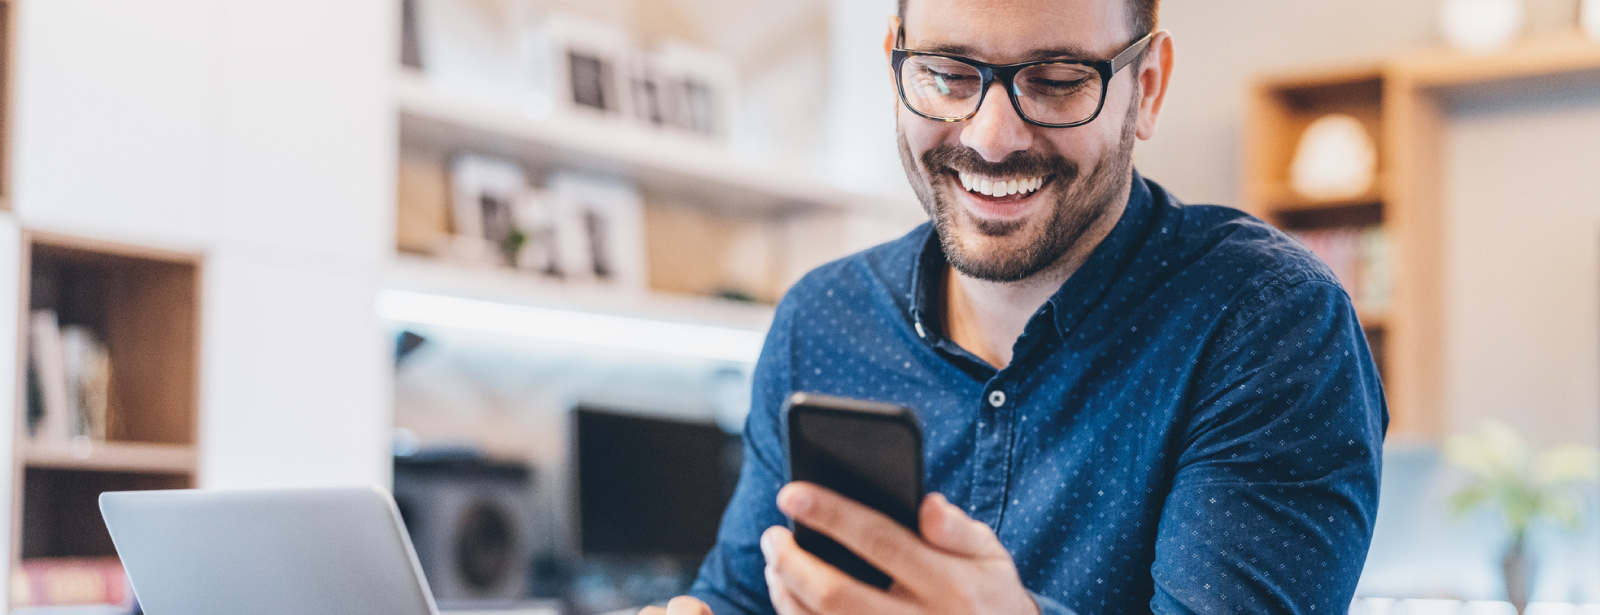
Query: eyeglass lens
(946,88)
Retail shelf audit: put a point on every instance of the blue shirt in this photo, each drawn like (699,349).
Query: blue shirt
(1193,423)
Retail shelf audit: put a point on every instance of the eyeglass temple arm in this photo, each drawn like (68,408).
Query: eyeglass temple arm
(1130,53)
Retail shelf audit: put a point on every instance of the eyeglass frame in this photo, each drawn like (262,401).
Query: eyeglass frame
(1005,73)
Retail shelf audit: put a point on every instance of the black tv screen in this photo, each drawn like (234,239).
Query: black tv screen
(649,485)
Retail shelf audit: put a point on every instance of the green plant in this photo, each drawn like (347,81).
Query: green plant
(1523,484)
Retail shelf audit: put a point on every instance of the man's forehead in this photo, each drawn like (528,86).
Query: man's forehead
(1016,30)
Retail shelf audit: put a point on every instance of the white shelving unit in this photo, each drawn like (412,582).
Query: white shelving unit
(660,162)
(808,220)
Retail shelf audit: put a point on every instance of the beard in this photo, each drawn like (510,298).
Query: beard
(1078,203)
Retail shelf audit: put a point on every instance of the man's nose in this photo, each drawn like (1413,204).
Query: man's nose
(997,131)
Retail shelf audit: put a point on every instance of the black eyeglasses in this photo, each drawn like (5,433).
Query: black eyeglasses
(1049,93)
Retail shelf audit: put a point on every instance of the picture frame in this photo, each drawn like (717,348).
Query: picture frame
(599,229)
(698,88)
(483,192)
(590,64)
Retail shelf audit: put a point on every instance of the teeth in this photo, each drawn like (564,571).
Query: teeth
(999,188)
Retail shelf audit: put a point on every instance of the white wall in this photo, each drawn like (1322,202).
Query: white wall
(1523,265)
(297,383)
(260,134)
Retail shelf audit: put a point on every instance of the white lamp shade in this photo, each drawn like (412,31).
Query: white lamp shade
(1336,159)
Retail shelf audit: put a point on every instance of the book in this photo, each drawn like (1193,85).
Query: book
(88,372)
(46,357)
(86,581)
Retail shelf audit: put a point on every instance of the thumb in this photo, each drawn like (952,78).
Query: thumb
(687,605)
(946,527)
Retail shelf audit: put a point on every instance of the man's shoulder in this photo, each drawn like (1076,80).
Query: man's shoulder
(1253,261)
(1242,246)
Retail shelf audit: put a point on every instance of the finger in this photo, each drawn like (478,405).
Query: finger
(783,601)
(945,526)
(818,586)
(653,610)
(687,605)
(870,534)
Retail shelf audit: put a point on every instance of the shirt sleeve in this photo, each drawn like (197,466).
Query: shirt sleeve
(731,581)
(1276,488)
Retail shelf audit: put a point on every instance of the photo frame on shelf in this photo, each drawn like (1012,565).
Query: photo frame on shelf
(697,87)
(591,65)
(483,192)
(598,229)
(538,250)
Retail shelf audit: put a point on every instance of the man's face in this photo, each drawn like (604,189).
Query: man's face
(1080,172)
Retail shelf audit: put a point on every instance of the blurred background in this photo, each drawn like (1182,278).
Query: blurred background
(515,258)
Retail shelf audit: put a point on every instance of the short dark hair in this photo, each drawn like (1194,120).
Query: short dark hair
(1143,15)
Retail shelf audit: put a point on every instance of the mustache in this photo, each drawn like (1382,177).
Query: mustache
(1026,163)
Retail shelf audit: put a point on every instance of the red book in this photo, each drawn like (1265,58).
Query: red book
(70,580)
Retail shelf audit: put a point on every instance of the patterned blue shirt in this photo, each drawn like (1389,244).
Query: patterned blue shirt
(1193,423)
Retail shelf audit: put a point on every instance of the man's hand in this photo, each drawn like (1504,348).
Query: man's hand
(682,605)
(956,566)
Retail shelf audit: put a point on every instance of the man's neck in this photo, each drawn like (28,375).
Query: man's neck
(986,317)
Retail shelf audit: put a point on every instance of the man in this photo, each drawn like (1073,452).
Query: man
(1129,405)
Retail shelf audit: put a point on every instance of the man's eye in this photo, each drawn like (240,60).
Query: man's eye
(946,84)
(1056,87)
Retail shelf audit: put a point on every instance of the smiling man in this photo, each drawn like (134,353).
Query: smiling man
(1129,404)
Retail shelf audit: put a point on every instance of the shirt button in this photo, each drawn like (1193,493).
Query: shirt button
(997,398)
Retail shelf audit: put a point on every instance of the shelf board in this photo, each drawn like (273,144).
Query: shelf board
(663,164)
(1372,319)
(132,457)
(1281,198)
(1551,56)
(501,285)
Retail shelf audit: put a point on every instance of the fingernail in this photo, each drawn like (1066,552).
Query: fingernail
(766,544)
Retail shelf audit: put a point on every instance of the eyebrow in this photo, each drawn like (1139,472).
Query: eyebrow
(1065,52)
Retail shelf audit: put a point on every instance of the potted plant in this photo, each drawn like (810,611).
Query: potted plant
(1522,484)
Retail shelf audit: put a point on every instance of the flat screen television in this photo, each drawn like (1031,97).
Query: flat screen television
(650,485)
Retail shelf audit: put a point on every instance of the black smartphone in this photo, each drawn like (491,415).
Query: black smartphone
(867,451)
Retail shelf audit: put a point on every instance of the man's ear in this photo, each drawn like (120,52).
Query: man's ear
(888,48)
(1154,74)
(888,38)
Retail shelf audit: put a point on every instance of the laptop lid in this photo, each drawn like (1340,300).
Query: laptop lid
(302,551)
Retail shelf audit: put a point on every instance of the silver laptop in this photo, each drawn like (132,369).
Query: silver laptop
(302,551)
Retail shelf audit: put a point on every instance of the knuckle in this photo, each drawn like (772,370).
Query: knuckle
(964,599)
(883,545)
(831,599)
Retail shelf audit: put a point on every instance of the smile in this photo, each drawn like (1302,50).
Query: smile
(996,187)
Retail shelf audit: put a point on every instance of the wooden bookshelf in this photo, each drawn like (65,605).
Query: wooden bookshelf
(130,457)
(144,305)
(1402,103)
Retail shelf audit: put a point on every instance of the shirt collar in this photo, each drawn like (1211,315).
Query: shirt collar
(1076,297)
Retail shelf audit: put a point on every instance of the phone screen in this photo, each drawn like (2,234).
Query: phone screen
(866,451)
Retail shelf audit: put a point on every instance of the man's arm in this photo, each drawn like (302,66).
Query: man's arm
(1273,501)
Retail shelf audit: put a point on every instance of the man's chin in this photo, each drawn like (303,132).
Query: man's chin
(983,250)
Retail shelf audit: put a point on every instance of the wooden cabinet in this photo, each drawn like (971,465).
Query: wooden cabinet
(143,304)
(1403,104)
